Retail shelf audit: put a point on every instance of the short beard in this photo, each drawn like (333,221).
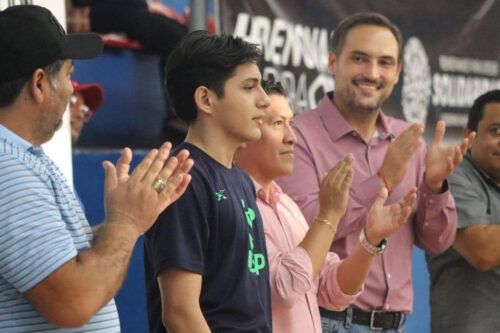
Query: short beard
(349,100)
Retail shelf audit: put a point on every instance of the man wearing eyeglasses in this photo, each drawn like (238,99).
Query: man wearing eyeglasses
(86,99)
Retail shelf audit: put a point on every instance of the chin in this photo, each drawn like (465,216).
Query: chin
(253,136)
(366,105)
(284,170)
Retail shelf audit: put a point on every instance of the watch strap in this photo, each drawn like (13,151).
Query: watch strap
(370,248)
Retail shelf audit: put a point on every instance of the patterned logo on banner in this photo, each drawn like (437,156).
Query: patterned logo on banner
(417,85)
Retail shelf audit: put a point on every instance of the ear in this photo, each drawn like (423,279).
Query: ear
(467,132)
(203,98)
(400,68)
(37,85)
(332,58)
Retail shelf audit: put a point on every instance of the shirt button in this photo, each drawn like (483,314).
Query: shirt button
(426,224)
(431,201)
(388,275)
(387,306)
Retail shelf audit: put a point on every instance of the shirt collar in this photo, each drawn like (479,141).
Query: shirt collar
(468,157)
(14,138)
(331,115)
(271,196)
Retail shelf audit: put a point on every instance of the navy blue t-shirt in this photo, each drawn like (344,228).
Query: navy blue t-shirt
(214,229)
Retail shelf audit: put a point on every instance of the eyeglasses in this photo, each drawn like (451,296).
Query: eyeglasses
(84,109)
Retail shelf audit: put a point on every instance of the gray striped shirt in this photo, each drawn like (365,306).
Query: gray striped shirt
(41,228)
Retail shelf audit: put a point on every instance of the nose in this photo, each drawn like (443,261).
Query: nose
(76,113)
(264,100)
(372,70)
(290,137)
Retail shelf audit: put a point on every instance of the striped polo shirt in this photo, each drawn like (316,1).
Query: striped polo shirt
(41,228)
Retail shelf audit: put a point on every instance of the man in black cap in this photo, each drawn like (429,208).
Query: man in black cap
(54,273)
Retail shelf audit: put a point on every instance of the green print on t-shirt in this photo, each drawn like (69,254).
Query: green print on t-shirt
(220,195)
(256,261)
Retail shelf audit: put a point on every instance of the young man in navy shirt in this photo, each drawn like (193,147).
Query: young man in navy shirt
(206,260)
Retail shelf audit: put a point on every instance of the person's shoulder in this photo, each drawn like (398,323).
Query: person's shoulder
(201,166)
(308,126)
(396,125)
(307,118)
(465,173)
(242,176)
(16,166)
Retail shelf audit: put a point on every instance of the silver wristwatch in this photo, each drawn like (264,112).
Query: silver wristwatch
(371,249)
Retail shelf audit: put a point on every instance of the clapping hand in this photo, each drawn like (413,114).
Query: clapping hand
(382,221)
(138,198)
(441,161)
(334,190)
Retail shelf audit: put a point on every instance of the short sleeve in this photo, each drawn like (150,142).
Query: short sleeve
(470,199)
(34,240)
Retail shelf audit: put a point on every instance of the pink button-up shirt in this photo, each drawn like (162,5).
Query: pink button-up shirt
(295,292)
(325,137)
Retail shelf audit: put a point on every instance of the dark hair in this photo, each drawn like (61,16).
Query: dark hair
(10,90)
(476,111)
(203,59)
(340,33)
(273,88)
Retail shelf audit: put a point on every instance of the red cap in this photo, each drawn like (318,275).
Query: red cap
(93,94)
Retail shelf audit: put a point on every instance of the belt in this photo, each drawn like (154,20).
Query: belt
(376,320)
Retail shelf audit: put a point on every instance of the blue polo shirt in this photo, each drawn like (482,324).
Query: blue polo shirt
(41,228)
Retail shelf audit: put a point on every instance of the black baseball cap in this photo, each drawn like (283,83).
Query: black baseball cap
(31,38)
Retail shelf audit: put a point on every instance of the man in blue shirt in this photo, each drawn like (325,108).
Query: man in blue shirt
(54,273)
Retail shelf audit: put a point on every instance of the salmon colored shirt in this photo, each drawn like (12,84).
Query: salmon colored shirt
(324,137)
(295,293)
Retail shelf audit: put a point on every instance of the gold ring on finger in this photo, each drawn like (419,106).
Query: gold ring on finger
(159,185)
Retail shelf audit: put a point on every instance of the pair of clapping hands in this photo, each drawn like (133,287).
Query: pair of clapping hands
(382,221)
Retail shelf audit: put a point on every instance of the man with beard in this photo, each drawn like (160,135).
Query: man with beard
(365,59)
(55,274)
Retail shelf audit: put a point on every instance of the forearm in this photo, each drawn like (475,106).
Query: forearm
(478,244)
(352,272)
(318,240)
(73,293)
(185,320)
(103,267)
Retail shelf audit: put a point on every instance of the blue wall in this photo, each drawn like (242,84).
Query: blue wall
(134,109)
(89,176)
(89,184)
